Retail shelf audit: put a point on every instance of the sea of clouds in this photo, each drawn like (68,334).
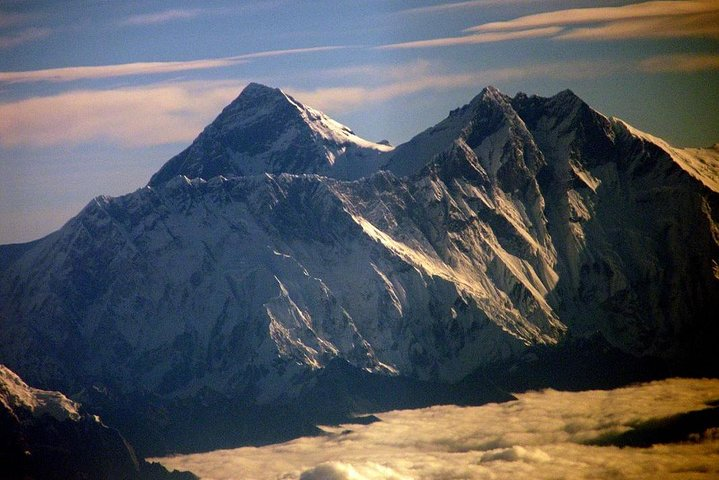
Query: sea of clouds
(541,435)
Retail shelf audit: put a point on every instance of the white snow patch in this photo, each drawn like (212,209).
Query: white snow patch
(16,394)
(700,163)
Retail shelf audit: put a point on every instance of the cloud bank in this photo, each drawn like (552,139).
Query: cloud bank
(542,435)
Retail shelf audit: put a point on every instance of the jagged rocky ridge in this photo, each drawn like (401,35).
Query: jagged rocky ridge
(248,262)
(45,435)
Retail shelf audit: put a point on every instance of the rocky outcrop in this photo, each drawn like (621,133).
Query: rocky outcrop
(44,435)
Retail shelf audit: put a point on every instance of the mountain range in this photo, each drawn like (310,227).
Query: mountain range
(280,252)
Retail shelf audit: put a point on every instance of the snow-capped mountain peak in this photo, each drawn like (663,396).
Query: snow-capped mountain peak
(16,394)
(486,124)
(492,94)
(244,265)
(264,130)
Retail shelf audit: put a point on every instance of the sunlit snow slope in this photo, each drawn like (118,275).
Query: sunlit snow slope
(247,261)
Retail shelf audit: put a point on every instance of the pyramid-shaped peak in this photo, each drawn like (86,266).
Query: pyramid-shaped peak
(490,90)
(265,130)
(254,89)
(488,113)
(491,93)
(567,96)
(566,93)
(490,97)
(259,91)
(256,95)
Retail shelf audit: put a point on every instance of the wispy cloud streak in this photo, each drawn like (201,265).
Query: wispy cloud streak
(24,36)
(601,15)
(178,14)
(289,51)
(446,7)
(489,37)
(67,74)
(175,112)
(682,63)
(705,25)
(161,17)
(654,19)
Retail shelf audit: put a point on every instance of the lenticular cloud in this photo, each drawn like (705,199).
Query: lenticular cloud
(541,435)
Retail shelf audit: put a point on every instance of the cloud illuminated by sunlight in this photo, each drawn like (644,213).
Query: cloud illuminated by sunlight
(654,19)
(684,63)
(489,37)
(705,25)
(67,74)
(141,116)
(672,8)
(177,112)
(542,435)
(175,14)
(445,7)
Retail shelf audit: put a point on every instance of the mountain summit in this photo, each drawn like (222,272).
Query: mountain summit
(514,223)
(265,130)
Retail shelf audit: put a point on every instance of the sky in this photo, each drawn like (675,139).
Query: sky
(541,435)
(95,96)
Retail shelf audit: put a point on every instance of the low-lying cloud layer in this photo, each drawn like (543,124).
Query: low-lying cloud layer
(542,435)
